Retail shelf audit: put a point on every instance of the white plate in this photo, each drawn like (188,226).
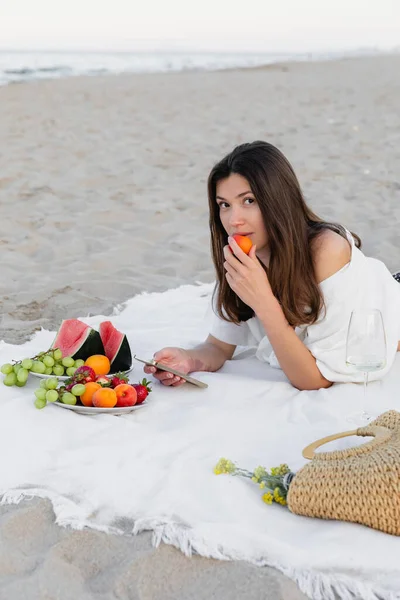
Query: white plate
(64,377)
(93,410)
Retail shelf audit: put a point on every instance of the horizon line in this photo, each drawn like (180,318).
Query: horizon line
(371,47)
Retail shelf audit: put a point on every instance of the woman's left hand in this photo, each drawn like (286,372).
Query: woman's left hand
(246,276)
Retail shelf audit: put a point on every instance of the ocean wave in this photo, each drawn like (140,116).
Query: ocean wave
(17,67)
(25,71)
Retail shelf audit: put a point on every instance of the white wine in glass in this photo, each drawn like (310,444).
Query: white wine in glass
(366,347)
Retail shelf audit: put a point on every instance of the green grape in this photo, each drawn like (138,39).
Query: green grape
(22,375)
(10,379)
(20,383)
(38,367)
(79,363)
(68,398)
(57,354)
(40,394)
(27,364)
(48,371)
(48,361)
(78,389)
(6,369)
(71,371)
(43,384)
(40,403)
(58,370)
(51,383)
(17,367)
(68,361)
(51,395)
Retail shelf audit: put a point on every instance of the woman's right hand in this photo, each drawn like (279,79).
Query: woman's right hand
(176,358)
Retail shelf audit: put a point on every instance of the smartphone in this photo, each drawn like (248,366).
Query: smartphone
(157,365)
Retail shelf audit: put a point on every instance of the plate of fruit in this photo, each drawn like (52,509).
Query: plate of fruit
(84,370)
(75,345)
(64,368)
(88,393)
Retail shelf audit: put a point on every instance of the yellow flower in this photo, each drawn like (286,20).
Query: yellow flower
(224,466)
(267,498)
(278,498)
(281,470)
(260,472)
(262,485)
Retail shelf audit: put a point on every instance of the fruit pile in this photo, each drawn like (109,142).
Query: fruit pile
(90,386)
(51,362)
(86,357)
(74,345)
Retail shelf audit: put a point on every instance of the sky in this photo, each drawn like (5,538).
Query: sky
(215,25)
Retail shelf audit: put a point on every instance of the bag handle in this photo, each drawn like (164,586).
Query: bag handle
(379,433)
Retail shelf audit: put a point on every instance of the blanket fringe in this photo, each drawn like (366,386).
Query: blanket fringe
(321,586)
(62,507)
(314,584)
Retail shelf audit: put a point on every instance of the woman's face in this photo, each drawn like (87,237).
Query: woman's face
(239,211)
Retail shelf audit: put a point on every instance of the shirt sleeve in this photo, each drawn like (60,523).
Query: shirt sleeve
(228,332)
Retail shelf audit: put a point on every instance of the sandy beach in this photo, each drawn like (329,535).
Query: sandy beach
(103,195)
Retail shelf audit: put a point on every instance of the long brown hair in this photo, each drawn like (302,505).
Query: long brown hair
(291,228)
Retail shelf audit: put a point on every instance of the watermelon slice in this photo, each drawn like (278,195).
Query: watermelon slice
(78,340)
(116,347)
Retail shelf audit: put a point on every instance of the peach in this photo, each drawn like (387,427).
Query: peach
(126,394)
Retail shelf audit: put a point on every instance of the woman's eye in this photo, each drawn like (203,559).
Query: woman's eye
(223,204)
(249,200)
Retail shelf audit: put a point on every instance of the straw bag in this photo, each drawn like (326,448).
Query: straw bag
(360,484)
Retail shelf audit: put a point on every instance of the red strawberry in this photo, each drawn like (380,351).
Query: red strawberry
(84,374)
(118,379)
(142,389)
(103,381)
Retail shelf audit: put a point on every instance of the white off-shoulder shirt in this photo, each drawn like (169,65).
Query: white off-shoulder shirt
(364,282)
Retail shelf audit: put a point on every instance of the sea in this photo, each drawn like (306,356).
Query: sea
(22,66)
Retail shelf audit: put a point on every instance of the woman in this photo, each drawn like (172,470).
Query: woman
(292,296)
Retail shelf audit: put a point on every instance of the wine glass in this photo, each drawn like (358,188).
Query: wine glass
(366,347)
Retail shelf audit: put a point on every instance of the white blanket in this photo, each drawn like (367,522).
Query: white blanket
(153,469)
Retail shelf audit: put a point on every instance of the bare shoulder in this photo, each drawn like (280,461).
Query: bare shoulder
(331,252)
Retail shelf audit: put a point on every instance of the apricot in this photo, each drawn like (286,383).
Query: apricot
(87,396)
(104,398)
